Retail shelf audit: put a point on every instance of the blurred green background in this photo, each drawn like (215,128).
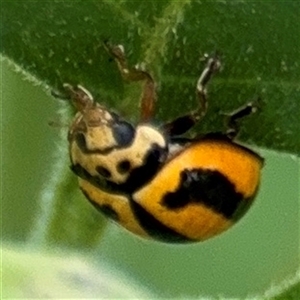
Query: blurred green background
(43,209)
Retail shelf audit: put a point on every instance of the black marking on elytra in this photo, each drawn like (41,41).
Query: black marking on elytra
(155,228)
(103,171)
(207,187)
(105,209)
(123,166)
(108,211)
(153,160)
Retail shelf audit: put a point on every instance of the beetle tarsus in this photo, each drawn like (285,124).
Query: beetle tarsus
(233,118)
(184,123)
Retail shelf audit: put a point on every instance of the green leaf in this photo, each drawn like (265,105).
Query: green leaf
(289,289)
(61,41)
(31,274)
(39,274)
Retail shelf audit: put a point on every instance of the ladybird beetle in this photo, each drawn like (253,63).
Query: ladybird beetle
(151,180)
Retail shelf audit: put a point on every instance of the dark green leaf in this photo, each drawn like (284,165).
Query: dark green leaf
(61,41)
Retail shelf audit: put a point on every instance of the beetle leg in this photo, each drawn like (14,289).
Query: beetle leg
(80,97)
(232,118)
(148,98)
(183,123)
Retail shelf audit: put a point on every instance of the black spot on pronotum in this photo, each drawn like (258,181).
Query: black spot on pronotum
(80,140)
(103,171)
(123,166)
(123,133)
(155,228)
(105,209)
(97,181)
(208,187)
